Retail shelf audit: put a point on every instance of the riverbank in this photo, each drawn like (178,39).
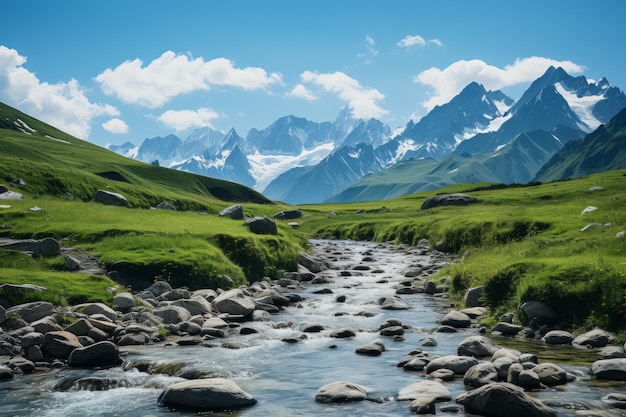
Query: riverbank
(368,295)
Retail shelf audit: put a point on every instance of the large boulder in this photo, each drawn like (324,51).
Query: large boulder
(206,394)
(92,309)
(477,346)
(110,199)
(59,345)
(425,389)
(596,338)
(456,199)
(503,400)
(159,288)
(44,247)
(195,305)
(480,374)
(473,297)
(393,303)
(371,349)
(550,374)
(234,302)
(309,262)
(234,212)
(101,354)
(558,337)
(288,215)
(124,301)
(612,369)
(262,225)
(341,392)
(536,313)
(172,314)
(456,319)
(31,312)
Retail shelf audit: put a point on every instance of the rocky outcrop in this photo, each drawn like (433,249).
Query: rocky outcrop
(262,225)
(110,198)
(235,212)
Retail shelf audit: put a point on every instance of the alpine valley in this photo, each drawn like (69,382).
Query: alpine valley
(561,127)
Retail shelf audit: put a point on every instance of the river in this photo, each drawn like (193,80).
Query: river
(284,377)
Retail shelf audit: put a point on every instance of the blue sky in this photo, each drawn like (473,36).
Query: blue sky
(115,71)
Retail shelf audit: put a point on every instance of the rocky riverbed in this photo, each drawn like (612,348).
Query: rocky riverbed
(360,329)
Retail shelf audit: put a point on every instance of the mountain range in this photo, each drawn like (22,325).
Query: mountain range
(478,136)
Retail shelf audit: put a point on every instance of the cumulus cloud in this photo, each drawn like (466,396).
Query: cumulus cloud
(117,126)
(449,81)
(416,40)
(300,91)
(362,101)
(63,105)
(172,75)
(181,120)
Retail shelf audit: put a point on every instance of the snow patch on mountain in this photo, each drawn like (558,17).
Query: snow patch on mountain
(582,106)
(264,168)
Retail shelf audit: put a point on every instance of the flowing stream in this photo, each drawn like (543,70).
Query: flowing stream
(284,377)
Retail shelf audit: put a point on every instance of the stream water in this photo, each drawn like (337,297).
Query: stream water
(285,377)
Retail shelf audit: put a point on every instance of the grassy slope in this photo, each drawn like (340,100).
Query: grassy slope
(525,241)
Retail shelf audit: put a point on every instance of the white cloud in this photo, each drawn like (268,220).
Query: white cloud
(362,101)
(117,126)
(451,80)
(416,40)
(371,45)
(63,105)
(300,91)
(181,120)
(172,75)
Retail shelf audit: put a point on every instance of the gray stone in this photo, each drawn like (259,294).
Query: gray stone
(595,338)
(262,225)
(31,312)
(234,212)
(503,400)
(477,346)
(124,301)
(393,303)
(59,345)
(312,327)
(164,205)
(31,339)
(172,314)
(507,329)
(550,374)
(91,309)
(5,372)
(473,297)
(528,379)
(159,288)
(558,337)
(288,215)
(371,349)
(423,405)
(206,394)
(45,325)
(425,389)
(611,369)
(458,364)
(342,334)
(537,313)
(456,199)
(341,392)
(110,199)
(456,319)
(195,305)
(480,374)
(101,354)
(309,262)
(234,302)
(176,294)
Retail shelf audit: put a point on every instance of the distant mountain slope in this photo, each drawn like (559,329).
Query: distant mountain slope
(55,163)
(602,150)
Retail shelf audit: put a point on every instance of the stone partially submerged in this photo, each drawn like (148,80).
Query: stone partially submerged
(214,394)
(503,400)
(341,392)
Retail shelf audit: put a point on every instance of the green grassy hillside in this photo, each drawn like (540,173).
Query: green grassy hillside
(525,241)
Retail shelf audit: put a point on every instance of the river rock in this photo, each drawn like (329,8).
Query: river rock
(59,345)
(528,379)
(455,199)
(371,349)
(596,338)
(393,303)
(456,319)
(124,301)
(343,334)
(341,392)
(615,400)
(92,309)
(5,372)
(159,288)
(31,312)
(31,339)
(425,389)
(480,374)
(175,294)
(101,354)
(80,327)
(503,400)
(537,313)
(550,374)
(45,325)
(110,199)
(423,405)
(234,302)
(558,337)
(477,346)
(473,297)
(172,314)
(195,305)
(309,262)
(458,364)
(612,369)
(206,394)
(507,329)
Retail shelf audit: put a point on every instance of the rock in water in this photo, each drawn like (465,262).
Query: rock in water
(341,392)
(503,400)
(206,394)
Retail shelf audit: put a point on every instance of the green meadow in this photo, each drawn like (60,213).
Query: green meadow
(524,241)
